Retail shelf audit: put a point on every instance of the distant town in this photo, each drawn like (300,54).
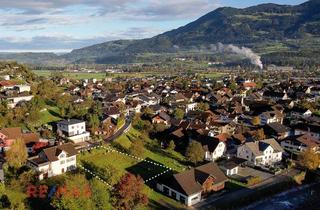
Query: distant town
(213,139)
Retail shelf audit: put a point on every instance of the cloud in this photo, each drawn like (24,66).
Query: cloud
(37,17)
(120,8)
(60,41)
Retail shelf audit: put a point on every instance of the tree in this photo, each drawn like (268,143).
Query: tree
(195,152)
(202,106)
(309,159)
(128,193)
(74,194)
(256,120)
(33,118)
(159,127)
(259,134)
(178,113)
(233,86)
(96,108)
(148,112)
(171,146)
(17,154)
(93,123)
(137,147)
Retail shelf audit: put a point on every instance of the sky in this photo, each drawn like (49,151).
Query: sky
(63,25)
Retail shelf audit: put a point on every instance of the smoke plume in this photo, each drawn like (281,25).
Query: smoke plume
(246,52)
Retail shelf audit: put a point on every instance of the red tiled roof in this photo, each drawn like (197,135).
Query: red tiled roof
(249,84)
(7,83)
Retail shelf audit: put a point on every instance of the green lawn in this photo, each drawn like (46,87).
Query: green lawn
(171,159)
(49,115)
(100,158)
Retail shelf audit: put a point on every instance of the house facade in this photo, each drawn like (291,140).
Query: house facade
(54,161)
(214,151)
(74,130)
(265,152)
(300,143)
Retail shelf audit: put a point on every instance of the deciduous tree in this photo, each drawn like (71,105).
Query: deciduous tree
(309,159)
(195,152)
(17,154)
(202,106)
(128,193)
(178,113)
(137,147)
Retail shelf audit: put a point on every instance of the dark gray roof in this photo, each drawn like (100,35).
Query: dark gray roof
(278,127)
(70,121)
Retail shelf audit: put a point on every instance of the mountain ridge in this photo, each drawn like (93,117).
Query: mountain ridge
(271,30)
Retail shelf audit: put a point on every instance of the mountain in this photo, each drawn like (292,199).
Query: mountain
(280,33)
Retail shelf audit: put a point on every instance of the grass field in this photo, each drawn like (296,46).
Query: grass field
(171,159)
(211,75)
(101,158)
(49,115)
(92,75)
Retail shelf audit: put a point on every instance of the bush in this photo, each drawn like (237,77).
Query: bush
(253,180)
(299,178)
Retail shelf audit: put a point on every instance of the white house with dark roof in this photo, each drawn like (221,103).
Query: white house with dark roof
(74,130)
(264,152)
(190,186)
(54,161)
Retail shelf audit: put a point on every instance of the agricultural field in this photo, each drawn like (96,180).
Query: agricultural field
(93,75)
(211,75)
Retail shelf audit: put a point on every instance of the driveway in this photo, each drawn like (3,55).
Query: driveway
(247,172)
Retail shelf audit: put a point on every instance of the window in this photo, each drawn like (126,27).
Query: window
(62,162)
(195,198)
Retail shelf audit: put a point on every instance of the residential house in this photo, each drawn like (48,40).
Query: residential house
(313,129)
(271,117)
(113,112)
(213,148)
(9,135)
(271,94)
(74,130)
(14,93)
(277,130)
(231,166)
(190,186)
(297,112)
(299,143)
(54,161)
(264,152)
(162,117)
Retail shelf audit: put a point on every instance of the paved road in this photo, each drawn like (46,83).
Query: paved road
(120,131)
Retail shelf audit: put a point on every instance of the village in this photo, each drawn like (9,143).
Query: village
(189,140)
